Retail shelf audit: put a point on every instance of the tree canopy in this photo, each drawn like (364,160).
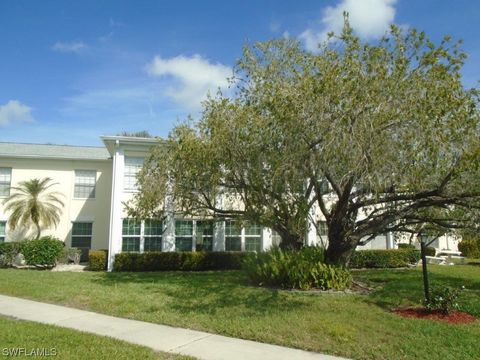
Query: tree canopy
(32,204)
(388,126)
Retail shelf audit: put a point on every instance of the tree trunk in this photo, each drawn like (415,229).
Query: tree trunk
(426,286)
(339,252)
(290,241)
(37,225)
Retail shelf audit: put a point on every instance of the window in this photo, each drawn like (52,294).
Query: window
(133,165)
(5,180)
(233,236)
(253,237)
(324,186)
(2,231)
(152,235)
(204,236)
(82,235)
(183,235)
(85,184)
(131,231)
(322,228)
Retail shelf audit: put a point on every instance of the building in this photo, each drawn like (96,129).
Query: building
(96,181)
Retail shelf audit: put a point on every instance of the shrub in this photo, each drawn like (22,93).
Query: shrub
(184,261)
(97,260)
(303,269)
(384,258)
(8,252)
(443,300)
(42,252)
(406,246)
(470,248)
(430,251)
(70,255)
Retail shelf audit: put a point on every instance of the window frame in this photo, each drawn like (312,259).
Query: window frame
(135,163)
(3,237)
(183,236)
(258,236)
(73,236)
(4,183)
(131,236)
(151,237)
(78,185)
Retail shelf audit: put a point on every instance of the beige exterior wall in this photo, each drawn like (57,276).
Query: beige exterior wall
(62,171)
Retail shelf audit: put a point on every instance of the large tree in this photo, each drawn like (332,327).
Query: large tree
(388,126)
(32,203)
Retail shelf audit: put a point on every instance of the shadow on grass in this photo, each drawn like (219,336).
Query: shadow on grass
(206,292)
(405,287)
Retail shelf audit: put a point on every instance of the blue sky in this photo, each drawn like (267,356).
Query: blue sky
(71,71)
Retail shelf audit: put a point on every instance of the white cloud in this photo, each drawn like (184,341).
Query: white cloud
(15,111)
(193,78)
(70,47)
(368,18)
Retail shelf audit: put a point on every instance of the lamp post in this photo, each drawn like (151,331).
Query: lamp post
(423,254)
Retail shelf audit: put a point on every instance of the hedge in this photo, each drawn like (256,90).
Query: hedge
(384,258)
(184,261)
(303,269)
(97,260)
(42,252)
(470,248)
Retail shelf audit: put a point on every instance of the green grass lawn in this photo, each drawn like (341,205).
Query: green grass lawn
(355,326)
(67,344)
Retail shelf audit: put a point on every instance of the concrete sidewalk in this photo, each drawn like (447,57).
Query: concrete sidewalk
(199,344)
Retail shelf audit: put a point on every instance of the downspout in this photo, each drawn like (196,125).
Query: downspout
(112,206)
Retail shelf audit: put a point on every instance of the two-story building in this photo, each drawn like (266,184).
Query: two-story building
(95,182)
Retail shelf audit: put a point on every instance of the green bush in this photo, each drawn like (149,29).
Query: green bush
(97,260)
(303,269)
(470,248)
(8,252)
(384,258)
(430,251)
(444,300)
(184,261)
(406,246)
(42,252)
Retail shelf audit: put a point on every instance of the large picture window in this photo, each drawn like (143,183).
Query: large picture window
(2,231)
(131,231)
(5,181)
(85,184)
(204,235)
(183,235)
(233,236)
(133,165)
(253,238)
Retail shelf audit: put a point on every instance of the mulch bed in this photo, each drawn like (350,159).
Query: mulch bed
(455,317)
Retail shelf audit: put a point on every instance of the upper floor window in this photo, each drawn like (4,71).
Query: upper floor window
(2,231)
(85,184)
(133,165)
(5,180)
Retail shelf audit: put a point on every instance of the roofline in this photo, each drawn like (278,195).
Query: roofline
(57,157)
(131,139)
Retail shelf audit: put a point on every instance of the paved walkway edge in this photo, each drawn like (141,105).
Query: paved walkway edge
(199,344)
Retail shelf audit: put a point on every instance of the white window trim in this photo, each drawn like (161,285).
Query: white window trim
(75,184)
(9,184)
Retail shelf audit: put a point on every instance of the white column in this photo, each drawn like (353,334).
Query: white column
(390,241)
(219,236)
(266,238)
(311,236)
(115,233)
(168,243)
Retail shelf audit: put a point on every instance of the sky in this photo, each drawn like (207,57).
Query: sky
(71,71)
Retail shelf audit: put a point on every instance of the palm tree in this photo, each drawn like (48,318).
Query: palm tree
(32,204)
